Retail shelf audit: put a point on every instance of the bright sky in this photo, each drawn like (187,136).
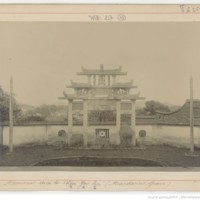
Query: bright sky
(43,57)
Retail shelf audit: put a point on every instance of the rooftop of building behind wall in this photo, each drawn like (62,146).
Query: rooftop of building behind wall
(102,71)
(181,116)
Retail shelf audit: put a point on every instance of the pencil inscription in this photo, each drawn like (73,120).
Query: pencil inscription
(118,17)
(190,8)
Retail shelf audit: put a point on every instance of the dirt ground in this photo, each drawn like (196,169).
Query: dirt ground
(170,156)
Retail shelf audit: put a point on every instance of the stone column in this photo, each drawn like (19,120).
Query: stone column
(103,80)
(94,80)
(118,120)
(133,122)
(108,80)
(70,122)
(114,79)
(89,79)
(85,122)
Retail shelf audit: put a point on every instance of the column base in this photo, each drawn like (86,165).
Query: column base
(85,140)
(118,139)
(69,139)
(134,141)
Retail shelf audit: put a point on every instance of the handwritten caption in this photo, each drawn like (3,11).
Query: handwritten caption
(87,185)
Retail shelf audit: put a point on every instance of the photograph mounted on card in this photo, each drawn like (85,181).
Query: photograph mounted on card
(99,97)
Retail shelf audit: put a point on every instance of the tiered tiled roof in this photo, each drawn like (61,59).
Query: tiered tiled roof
(129,96)
(101,71)
(78,85)
(101,85)
(115,85)
(123,85)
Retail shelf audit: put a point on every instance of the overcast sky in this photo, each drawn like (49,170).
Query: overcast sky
(43,57)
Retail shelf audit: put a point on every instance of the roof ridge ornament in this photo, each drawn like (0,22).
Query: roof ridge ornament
(83,68)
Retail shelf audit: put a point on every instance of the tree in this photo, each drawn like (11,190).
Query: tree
(46,113)
(152,106)
(4,106)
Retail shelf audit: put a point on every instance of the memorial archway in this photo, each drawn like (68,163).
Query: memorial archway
(101,101)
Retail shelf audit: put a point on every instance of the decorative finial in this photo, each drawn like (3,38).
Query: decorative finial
(101,67)
(191,78)
(65,94)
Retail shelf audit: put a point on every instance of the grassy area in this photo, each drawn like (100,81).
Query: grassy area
(170,156)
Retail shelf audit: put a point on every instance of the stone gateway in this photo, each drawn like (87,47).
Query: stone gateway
(103,103)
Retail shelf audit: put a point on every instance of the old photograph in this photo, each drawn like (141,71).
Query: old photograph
(99,94)
(99,97)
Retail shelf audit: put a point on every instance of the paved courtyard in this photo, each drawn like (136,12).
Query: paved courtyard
(170,156)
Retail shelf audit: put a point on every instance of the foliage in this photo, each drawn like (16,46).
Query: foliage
(77,140)
(152,106)
(48,110)
(4,106)
(45,113)
(33,118)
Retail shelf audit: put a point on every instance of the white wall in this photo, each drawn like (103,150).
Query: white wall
(31,134)
(49,133)
(172,135)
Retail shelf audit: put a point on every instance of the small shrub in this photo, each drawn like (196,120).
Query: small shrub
(77,140)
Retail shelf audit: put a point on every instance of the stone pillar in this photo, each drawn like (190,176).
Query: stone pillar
(118,120)
(100,80)
(108,80)
(85,122)
(94,80)
(89,79)
(103,80)
(133,122)
(70,122)
(114,79)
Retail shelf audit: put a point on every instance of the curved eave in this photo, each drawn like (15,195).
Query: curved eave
(169,113)
(132,97)
(102,73)
(99,87)
(118,97)
(172,112)
(72,97)
(78,86)
(124,86)
(119,69)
